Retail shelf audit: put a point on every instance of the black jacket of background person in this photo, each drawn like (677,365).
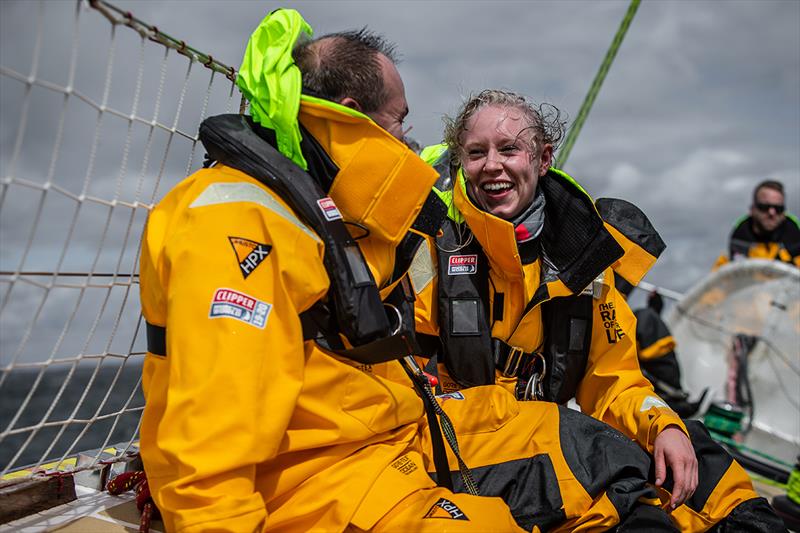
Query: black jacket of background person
(655,340)
(783,244)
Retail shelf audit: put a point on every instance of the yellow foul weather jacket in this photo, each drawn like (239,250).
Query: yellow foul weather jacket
(611,387)
(245,424)
(575,263)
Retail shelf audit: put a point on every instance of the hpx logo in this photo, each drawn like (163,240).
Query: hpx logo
(462,264)
(329,209)
(249,253)
(444,508)
(228,303)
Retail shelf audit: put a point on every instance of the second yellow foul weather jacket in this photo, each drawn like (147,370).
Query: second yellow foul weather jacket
(611,388)
(531,306)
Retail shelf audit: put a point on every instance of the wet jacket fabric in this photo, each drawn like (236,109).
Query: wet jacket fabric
(246,425)
(249,428)
(783,244)
(612,388)
(557,469)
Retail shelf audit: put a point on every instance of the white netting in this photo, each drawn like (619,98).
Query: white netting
(99,119)
(755,298)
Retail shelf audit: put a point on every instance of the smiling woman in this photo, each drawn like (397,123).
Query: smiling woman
(505,145)
(546,318)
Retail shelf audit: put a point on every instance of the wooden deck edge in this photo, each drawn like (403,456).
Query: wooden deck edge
(35,495)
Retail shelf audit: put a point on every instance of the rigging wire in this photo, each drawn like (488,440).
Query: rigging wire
(586,106)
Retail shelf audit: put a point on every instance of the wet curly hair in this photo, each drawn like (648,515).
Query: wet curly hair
(545,120)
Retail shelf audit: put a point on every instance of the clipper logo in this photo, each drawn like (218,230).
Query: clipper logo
(249,253)
(462,264)
(444,508)
(228,303)
(329,209)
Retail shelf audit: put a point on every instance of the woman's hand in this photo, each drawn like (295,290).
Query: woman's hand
(673,449)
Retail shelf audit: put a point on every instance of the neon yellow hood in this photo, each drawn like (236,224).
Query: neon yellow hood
(271,81)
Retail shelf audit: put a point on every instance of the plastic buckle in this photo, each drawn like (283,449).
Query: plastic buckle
(513,362)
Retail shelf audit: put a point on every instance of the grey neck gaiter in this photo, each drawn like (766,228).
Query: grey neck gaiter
(528,224)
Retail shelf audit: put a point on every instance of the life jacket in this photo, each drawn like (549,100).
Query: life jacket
(374,329)
(470,353)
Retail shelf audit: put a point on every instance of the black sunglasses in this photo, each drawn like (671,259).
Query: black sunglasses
(764,208)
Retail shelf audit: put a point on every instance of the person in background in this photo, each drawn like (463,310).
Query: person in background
(522,294)
(769,232)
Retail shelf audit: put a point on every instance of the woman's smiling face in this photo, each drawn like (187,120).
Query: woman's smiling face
(502,160)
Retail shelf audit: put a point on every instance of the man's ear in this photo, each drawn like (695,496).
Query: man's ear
(351,103)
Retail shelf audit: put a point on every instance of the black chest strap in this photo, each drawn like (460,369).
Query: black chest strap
(319,327)
(156,339)
(567,323)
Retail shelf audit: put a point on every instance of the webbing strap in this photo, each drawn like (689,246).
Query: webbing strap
(444,426)
(156,339)
(320,326)
(443,478)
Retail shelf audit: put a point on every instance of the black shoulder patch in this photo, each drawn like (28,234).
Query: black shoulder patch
(249,254)
(444,508)
(631,222)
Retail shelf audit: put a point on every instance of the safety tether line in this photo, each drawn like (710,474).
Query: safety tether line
(586,106)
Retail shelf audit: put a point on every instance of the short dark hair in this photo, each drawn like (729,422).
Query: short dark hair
(768,184)
(345,64)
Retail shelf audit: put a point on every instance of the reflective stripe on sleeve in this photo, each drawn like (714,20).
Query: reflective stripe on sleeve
(225,193)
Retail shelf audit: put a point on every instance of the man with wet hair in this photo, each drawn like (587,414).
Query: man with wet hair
(356,69)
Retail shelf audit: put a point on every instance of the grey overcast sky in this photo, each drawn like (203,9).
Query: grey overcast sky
(702,102)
